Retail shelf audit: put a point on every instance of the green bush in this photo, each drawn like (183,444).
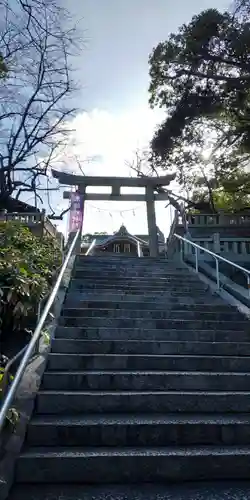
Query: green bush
(28,266)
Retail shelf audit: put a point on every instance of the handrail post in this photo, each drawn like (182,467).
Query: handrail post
(196,260)
(182,250)
(139,249)
(248,284)
(217,273)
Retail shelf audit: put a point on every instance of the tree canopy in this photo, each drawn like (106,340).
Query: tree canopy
(201,77)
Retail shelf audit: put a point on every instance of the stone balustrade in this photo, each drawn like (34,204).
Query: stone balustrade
(216,220)
(37,222)
(227,247)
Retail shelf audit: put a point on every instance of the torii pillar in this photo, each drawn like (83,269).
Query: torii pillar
(149,183)
(152,228)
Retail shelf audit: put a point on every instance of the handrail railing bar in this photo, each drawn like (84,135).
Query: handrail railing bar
(20,371)
(19,353)
(196,260)
(215,255)
(217,273)
(91,247)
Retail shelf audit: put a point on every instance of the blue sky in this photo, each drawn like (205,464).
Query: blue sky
(112,74)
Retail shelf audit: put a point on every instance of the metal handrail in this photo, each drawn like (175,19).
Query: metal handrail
(91,247)
(29,350)
(217,258)
(19,353)
(139,249)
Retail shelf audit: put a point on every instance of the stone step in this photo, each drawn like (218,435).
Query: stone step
(169,313)
(148,270)
(153,292)
(84,402)
(212,490)
(135,362)
(139,430)
(131,277)
(132,465)
(136,285)
(174,334)
(142,278)
(164,268)
(151,380)
(129,263)
(135,270)
(142,305)
(158,297)
(149,323)
(155,284)
(139,295)
(119,279)
(94,347)
(123,269)
(134,261)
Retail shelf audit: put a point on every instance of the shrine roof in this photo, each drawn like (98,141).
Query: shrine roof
(122,234)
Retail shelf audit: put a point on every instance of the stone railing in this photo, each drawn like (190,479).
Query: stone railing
(37,222)
(217,220)
(239,248)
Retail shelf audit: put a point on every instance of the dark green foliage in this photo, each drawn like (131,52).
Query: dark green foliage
(28,266)
(3,67)
(201,77)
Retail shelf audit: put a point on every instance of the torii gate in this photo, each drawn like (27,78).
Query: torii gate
(116,183)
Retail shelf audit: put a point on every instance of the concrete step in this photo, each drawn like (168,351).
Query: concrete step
(90,347)
(156,334)
(169,313)
(144,323)
(130,264)
(121,295)
(79,284)
(124,261)
(135,362)
(132,278)
(137,284)
(150,270)
(131,270)
(141,294)
(148,306)
(139,430)
(158,297)
(212,490)
(145,380)
(163,271)
(132,465)
(84,402)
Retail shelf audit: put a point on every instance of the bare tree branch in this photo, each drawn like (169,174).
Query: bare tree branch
(36,40)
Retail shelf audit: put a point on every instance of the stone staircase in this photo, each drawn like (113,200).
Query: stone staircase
(148,381)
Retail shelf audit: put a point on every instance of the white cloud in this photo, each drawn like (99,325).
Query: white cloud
(112,139)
